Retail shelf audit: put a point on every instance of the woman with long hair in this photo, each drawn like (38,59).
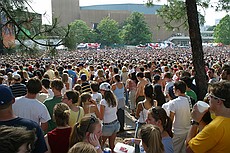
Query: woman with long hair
(89,105)
(159,95)
(157,116)
(118,90)
(87,130)
(108,110)
(151,139)
(131,86)
(143,106)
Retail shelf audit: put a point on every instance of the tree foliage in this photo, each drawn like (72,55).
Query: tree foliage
(108,31)
(222,31)
(79,33)
(135,30)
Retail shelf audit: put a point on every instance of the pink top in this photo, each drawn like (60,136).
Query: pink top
(131,85)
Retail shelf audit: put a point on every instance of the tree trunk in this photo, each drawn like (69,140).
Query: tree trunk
(197,49)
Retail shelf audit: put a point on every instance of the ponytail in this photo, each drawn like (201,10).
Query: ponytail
(168,126)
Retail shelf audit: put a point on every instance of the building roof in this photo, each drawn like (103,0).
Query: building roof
(141,8)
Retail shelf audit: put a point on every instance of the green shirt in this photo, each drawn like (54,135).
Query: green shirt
(50,103)
(191,94)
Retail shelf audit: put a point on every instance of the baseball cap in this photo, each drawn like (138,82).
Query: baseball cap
(83,77)
(6,95)
(80,64)
(105,86)
(16,76)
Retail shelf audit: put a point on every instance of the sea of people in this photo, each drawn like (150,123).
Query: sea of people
(75,102)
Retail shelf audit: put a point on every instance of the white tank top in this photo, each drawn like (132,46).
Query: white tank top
(143,114)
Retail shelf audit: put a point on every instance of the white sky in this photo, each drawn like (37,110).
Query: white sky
(44,7)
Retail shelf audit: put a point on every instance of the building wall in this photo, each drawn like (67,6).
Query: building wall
(69,10)
(159,34)
(66,11)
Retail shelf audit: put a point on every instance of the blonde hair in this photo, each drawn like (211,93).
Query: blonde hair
(100,73)
(61,114)
(150,134)
(65,78)
(82,147)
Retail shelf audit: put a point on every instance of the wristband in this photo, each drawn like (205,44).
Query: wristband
(132,140)
(97,147)
(194,122)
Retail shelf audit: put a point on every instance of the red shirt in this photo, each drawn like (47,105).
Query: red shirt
(59,140)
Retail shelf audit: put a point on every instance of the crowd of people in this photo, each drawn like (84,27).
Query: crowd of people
(76,102)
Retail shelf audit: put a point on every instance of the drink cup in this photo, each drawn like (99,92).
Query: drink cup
(202,106)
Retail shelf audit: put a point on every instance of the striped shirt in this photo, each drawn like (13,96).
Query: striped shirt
(18,89)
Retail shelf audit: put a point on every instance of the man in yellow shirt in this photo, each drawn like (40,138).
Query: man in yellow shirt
(214,138)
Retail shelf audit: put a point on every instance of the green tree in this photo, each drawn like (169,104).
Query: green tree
(135,30)
(222,31)
(211,28)
(79,33)
(108,31)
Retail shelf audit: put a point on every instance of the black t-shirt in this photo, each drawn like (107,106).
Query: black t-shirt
(40,145)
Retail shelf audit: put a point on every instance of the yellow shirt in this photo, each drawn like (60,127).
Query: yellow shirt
(214,138)
(75,116)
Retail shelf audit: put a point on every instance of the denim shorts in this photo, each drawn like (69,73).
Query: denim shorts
(108,130)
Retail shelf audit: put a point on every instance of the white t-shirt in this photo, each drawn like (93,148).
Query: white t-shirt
(31,109)
(181,107)
(97,97)
(110,113)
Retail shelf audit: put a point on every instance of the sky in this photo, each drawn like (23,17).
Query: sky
(39,7)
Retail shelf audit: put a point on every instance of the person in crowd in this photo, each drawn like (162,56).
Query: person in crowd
(143,106)
(49,72)
(29,107)
(87,130)
(150,135)
(225,74)
(18,89)
(95,93)
(85,85)
(211,75)
(65,80)
(82,147)
(158,95)
(140,87)
(72,74)
(71,98)
(108,110)
(77,87)
(215,135)
(57,140)
(8,118)
(118,90)
(131,86)
(189,92)
(100,78)
(16,139)
(180,115)
(169,83)
(83,70)
(89,105)
(56,86)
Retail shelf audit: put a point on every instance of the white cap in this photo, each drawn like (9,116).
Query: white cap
(105,86)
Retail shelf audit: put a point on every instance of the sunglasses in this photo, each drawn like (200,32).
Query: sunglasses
(215,97)
(91,121)
(155,111)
